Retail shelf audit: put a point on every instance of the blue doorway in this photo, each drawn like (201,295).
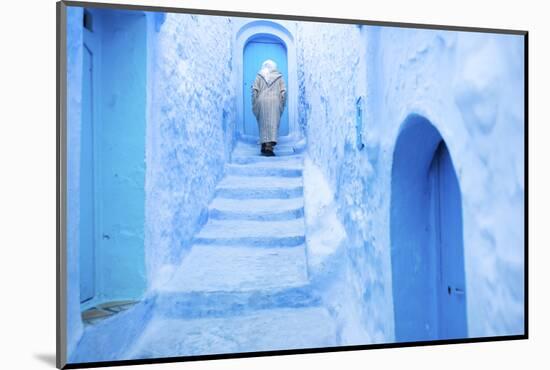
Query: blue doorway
(112,157)
(447,215)
(255,53)
(427,253)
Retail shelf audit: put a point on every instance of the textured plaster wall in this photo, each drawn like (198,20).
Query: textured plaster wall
(470,87)
(356,276)
(190,132)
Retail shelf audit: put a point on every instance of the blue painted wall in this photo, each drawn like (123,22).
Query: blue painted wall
(358,273)
(74,113)
(190,133)
(470,88)
(477,107)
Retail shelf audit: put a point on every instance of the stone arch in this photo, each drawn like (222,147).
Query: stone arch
(263,28)
(427,251)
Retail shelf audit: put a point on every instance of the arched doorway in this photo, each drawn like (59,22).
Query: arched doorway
(427,251)
(258,49)
(248,40)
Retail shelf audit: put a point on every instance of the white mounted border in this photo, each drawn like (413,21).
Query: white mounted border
(247,30)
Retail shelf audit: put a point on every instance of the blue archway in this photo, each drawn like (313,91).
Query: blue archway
(257,30)
(257,49)
(426,237)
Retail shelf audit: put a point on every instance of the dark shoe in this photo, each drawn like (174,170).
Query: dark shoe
(269,150)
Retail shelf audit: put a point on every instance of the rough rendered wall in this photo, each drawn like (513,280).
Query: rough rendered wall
(331,72)
(190,130)
(470,87)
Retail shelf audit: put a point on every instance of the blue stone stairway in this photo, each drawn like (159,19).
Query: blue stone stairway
(244,284)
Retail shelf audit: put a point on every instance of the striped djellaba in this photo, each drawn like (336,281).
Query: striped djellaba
(268,103)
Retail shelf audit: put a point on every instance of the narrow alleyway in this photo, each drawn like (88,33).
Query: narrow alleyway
(244,284)
(401,221)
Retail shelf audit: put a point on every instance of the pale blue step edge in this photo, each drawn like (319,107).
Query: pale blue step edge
(255,149)
(244,170)
(191,305)
(239,158)
(284,148)
(253,241)
(283,140)
(291,214)
(260,193)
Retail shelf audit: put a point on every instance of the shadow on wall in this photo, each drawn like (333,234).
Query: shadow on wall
(427,252)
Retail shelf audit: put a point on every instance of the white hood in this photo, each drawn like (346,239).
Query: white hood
(269,71)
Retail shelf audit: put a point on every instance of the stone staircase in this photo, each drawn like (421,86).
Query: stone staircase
(244,284)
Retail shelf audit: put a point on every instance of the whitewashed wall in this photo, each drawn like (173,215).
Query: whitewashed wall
(469,86)
(356,275)
(192,110)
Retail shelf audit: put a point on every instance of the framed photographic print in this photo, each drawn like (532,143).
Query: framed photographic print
(235,184)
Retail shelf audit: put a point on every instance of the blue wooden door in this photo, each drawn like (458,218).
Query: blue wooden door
(87,242)
(450,250)
(255,53)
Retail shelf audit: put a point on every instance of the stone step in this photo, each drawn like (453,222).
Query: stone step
(247,158)
(264,234)
(287,139)
(238,269)
(187,305)
(256,209)
(260,193)
(264,169)
(252,241)
(260,182)
(263,206)
(260,187)
(217,214)
(279,150)
(264,330)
